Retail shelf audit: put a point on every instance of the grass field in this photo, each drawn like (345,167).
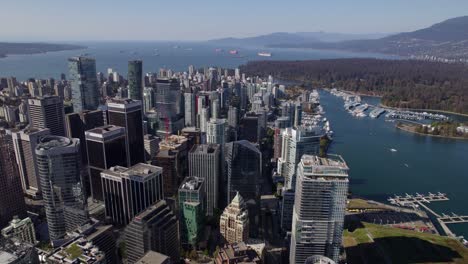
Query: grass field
(381,244)
(357,203)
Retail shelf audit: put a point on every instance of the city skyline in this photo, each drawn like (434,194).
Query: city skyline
(361,17)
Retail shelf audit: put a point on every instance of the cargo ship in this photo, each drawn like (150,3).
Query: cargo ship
(234,52)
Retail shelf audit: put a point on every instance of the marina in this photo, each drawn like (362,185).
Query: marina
(421,200)
(353,104)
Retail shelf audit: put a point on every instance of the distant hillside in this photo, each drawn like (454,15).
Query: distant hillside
(299,38)
(402,83)
(7,48)
(447,40)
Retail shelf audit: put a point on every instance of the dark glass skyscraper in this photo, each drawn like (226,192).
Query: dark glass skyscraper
(135,79)
(59,163)
(127,113)
(243,168)
(106,148)
(11,194)
(84,85)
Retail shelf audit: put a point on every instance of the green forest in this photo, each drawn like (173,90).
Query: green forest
(401,83)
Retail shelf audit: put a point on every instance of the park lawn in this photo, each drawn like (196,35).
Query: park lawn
(357,203)
(394,245)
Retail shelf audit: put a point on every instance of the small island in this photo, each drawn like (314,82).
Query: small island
(10,48)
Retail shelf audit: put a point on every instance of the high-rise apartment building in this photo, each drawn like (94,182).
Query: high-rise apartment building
(296,142)
(129,191)
(25,142)
(47,112)
(59,163)
(234,222)
(11,194)
(84,84)
(204,162)
(127,113)
(135,80)
(156,229)
(319,208)
(191,210)
(106,147)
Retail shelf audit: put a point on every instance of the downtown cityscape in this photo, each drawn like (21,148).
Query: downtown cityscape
(285,147)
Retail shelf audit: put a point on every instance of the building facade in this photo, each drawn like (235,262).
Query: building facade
(129,191)
(128,114)
(155,229)
(319,208)
(234,222)
(135,80)
(25,142)
(84,84)
(59,163)
(204,162)
(11,194)
(47,112)
(106,147)
(191,210)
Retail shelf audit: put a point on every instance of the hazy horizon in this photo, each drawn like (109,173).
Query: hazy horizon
(181,20)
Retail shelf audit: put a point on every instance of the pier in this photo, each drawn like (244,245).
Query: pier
(421,200)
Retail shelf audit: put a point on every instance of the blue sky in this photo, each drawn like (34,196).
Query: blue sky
(199,20)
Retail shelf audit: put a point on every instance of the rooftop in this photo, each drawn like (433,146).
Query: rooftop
(152,257)
(204,148)
(142,170)
(191,183)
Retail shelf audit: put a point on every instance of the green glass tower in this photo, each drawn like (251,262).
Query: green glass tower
(191,210)
(135,79)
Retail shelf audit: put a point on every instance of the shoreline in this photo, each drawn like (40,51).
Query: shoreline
(430,135)
(419,109)
(400,109)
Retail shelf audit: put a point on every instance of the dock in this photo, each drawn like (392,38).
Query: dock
(421,200)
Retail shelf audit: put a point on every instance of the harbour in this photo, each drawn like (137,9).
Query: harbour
(385,160)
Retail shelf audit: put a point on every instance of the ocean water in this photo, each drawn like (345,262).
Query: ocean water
(116,56)
(420,164)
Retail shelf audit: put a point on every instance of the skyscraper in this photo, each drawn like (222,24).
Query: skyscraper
(295,143)
(25,142)
(168,102)
(127,113)
(11,195)
(59,162)
(319,208)
(148,99)
(216,131)
(129,191)
(204,162)
(191,210)
(47,112)
(189,99)
(234,222)
(84,85)
(106,147)
(77,123)
(243,167)
(157,229)
(135,80)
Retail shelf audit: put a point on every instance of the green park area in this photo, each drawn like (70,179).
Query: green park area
(370,243)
